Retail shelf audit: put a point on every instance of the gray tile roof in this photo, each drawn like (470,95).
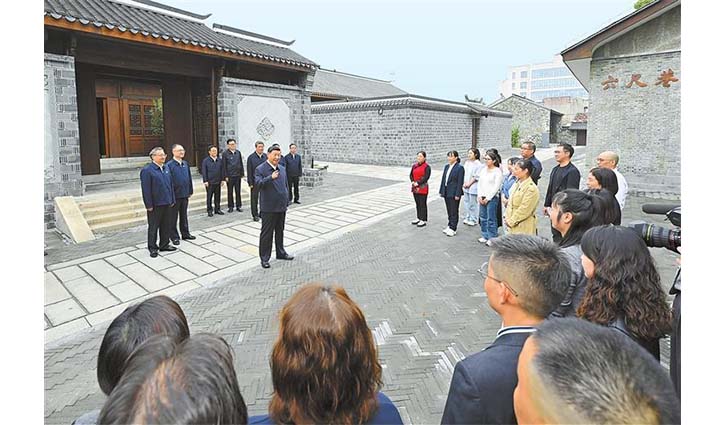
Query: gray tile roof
(123,17)
(342,85)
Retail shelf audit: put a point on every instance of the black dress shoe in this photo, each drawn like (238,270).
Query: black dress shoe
(175,242)
(168,248)
(154,254)
(239,209)
(219,212)
(255,218)
(190,238)
(265,265)
(286,257)
(211,214)
(230,210)
(298,202)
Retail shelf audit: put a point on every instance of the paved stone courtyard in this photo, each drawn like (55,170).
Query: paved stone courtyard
(420,292)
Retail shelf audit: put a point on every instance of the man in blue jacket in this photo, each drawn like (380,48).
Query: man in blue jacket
(293,166)
(157,190)
(183,189)
(254,160)
(525,279)
(270,178)
(233,165)
(213,175)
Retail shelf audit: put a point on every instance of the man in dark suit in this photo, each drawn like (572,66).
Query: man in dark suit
(564,176)
(254,160)
(451,190)
(293,166)
(271,179)
(157,190)
(528,151)
(183,189)
(525,279)
(213,176)
(233,168)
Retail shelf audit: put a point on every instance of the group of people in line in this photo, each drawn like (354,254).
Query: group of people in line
(273,180)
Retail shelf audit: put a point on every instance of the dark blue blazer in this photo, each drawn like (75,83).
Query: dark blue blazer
(212,171)
(232,163)
(156,186)
(273,195)
(181,177)
(293,165)
(538,168)
(454,186)
(253,161)
(387,414)
(482,388)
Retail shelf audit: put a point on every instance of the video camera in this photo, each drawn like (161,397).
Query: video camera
(657,236)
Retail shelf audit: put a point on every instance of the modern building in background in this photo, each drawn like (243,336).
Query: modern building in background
(541,80)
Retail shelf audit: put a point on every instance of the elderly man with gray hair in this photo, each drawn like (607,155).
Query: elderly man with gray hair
(525,279)
(157,190)
(610,160)
(575,372)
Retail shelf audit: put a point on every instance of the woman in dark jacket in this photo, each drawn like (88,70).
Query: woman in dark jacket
(624,290)
(452,190)
(419,175)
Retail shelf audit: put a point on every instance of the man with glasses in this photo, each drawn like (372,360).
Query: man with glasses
(609,159)
(528,151)
(157,190)
(183,189)
(564,176)
(525,279)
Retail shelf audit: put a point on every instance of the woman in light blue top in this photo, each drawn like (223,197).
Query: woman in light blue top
(470,188)
(508,182)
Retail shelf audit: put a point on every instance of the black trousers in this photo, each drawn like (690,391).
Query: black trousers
(234,188)
(214,190)
(160,222)
(293,183)
(272,224)
(254,201)
(180,215)
(452,208)
(421,206)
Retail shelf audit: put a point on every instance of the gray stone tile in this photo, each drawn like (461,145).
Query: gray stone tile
(54,290)
(145,276)
(91,294)
(233,254)
(194,250)
(219,261)
(158,263)
(177,274)
(306,232)
(252,231)
(200,240)
(194,265)
(66,329)
(126,291)
(250,239)
(224,239)
(63,311)
(120,260)
(173,291)
(108,314)
(104,273)
(69,273)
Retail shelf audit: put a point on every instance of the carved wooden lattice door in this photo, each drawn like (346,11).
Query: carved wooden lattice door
(139,128)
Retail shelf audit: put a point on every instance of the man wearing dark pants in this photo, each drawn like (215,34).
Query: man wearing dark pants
(253,161)
(271,180)
(564,176)
(212,174)
(293,166)
(233,168)
(183,189)
(157,190)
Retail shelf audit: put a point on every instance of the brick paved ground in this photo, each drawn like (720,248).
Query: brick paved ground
(419,290)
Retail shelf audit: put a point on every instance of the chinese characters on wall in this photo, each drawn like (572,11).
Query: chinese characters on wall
(665,78)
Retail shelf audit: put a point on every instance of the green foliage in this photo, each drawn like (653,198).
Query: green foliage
(641,3)
(157,118)
(515,142)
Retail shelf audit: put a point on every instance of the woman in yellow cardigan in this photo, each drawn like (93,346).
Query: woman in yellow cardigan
(524,199)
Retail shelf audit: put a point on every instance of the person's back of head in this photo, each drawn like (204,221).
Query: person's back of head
(325,367)
(579,211)
(171,382)
(535,268)
(159,315)
(611,213)
(572,371)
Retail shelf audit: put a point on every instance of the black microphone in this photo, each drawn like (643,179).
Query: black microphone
(658,208)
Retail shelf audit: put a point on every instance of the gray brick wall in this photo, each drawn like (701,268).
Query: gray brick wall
(391,134)
(531,119)
(62,176)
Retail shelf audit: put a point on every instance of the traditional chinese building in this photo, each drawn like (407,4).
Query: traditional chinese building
(335,85)
(536,122)
(124,76)
(632,71)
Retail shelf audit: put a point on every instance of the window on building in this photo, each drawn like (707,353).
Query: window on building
(555,83)
(513,75)
(550,73)
(523,84)
(524,74)
(513,86)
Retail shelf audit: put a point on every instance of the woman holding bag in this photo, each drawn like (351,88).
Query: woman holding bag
(419,175)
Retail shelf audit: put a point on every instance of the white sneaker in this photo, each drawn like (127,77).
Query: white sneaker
(488,242)
(466,222)
(421,223)
(445,230)
(482,240)
(450,232)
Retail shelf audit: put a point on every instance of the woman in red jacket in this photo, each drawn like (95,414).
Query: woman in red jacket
(419,175)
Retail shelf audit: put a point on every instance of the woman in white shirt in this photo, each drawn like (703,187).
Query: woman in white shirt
(470,189)
(490,180)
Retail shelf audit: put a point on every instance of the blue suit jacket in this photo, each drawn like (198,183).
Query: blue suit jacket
(387,414)
(454,186)
(293,166)
(212,171)
(253,161)
(157,188)
(273,195)
(482,388)
(181,177)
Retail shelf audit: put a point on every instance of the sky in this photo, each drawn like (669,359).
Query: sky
(431,48)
